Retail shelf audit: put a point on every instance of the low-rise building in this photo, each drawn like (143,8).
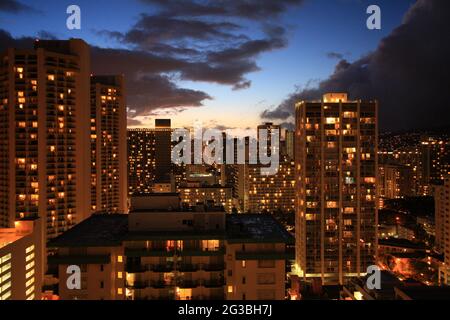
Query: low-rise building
(21,261)
(196,253)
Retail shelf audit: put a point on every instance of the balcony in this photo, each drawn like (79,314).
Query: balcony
(265,255)
(143,252)
(161,268)
(216,283)
(213,267)
(188,267)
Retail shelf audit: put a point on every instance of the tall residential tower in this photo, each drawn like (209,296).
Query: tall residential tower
(336,173)
(44,134)
(108,145)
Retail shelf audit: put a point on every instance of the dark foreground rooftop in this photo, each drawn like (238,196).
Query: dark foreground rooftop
(256,228)
(424,293)
(108,230)
(99,230)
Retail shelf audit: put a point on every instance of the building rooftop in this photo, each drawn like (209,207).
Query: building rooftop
(256,228)
(8,236)
(111,230)
(424,292)
(403,243)
(100,230)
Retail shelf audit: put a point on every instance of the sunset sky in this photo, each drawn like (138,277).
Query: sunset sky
(224,63)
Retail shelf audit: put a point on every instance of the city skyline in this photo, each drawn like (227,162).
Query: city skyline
(165,157)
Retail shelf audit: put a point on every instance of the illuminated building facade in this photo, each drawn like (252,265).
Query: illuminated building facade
(21,261)
(108,145)
(435,162)
(271,193)
(395,181)
(193,194)
(44,134)
(199,253)
(149,157)
(442,216)
(290,144)
(336,171)
(411,159)
(141,160)
(163,148)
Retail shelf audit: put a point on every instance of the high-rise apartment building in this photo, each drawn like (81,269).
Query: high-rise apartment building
(271,193)
(336,173)
(141,160)
(435,162)
(44,134)
(108,145)
(149,157)
(411,160)
(396,181)
(163,148)
(290,144)
(442,221)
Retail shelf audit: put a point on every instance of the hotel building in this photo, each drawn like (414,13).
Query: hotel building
(198,253)
(44,134)
(336,173)
(108,145)
(21,261)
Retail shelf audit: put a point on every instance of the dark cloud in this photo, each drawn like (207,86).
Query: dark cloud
(158,28)
(288,126)
(191,40)
(134,123)
(407,73)
(7,41)
(203,40)
(13,6)
(46,35)
(249,9)
(335,55)
(242,85)
(158,92)
(147,89)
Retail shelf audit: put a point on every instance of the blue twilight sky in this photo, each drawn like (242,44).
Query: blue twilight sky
(314,28)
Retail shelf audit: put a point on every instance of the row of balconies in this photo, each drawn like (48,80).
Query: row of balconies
(181,267)
(184,284)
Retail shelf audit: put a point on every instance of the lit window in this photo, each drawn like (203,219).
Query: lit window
(51,77)
(230,289)
(119,259)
